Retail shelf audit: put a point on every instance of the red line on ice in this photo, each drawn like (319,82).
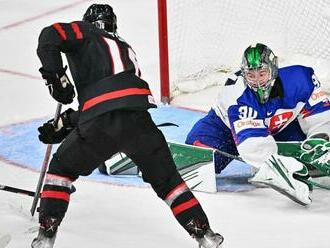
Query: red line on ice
(50,12)
(16,73)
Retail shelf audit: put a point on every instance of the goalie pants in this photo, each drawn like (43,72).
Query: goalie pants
(211,131)
(133,133)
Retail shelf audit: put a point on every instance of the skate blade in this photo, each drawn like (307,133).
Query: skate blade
(219,244)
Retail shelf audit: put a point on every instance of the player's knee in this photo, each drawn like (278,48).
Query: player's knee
(64,168)
(162,186)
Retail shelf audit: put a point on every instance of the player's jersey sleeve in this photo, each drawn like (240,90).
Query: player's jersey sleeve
(315,116)
(57,38)
(251,135)
(245,122)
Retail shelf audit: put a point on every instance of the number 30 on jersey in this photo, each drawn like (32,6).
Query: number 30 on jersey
(246,112)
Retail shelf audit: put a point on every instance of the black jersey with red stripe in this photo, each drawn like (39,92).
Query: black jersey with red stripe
(103,66)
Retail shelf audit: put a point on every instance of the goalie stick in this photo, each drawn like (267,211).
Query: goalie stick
(308,181)
(45,164)
(226,154)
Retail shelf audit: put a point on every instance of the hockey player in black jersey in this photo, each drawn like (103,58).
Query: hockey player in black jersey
(112,117)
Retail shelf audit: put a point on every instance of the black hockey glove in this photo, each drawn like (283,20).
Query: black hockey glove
(49,134)
(59,85)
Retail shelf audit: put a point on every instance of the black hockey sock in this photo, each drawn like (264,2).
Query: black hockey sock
(187,210)
(54,202)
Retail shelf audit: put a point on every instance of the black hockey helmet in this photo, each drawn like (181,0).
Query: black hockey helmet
(102,16)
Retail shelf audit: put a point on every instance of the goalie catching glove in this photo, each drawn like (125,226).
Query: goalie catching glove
(313,152)
(59,85)
(51,134)
(316,152)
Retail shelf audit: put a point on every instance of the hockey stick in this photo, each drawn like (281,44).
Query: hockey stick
(16,190)
(226,154)
(45,164)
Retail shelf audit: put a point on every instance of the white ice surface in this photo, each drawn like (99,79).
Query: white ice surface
(111,216)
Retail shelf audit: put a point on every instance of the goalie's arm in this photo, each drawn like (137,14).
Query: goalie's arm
(314,118)
(251,135)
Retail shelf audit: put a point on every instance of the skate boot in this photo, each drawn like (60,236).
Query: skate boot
(42,241)
(210,240)
(201,231)
(47,233)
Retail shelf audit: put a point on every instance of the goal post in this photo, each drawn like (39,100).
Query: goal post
(202,41)
(163,52)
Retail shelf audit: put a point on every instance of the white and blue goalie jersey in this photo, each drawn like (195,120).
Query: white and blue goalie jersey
(297,94)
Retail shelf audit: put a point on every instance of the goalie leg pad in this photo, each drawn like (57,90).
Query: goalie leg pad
(278,173)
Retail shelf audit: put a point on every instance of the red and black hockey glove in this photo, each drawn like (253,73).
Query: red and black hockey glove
(49,134)
(59,85)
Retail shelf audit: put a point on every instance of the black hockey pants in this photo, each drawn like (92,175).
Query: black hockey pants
(133,133)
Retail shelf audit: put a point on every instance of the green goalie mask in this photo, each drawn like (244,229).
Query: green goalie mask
(260,69)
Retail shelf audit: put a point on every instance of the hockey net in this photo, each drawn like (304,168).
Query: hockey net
(207,38)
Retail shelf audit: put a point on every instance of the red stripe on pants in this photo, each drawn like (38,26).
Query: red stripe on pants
(184,206)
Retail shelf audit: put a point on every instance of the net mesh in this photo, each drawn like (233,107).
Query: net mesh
(207,37)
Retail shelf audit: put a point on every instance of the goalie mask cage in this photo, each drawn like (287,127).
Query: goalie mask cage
(202,41)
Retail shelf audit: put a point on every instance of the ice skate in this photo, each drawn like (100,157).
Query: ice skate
(47,233)
(210,240)
(42,241)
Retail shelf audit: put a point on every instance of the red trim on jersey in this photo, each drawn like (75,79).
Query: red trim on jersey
(56,195)
(184,206)
(200,144)
(60,30)
(114,95)
(76,30)
(178,188)
(305,112)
